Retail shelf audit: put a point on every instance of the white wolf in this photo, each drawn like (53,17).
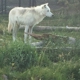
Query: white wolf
(28,17)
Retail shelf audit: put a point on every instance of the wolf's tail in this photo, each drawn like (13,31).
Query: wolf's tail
(9,27)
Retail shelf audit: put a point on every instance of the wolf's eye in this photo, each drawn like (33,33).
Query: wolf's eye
(47,10)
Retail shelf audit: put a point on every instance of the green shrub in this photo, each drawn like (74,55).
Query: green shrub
(37,73)
(60,51)
(58,71)
(73,72)
(20,55)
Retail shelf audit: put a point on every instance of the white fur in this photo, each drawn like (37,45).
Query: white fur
(28,17)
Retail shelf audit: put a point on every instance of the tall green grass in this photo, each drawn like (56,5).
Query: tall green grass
(19,61)
(22,61)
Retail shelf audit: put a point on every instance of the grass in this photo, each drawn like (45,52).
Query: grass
(19,61)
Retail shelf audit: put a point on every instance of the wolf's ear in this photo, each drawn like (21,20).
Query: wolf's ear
(44,6)
(46,3)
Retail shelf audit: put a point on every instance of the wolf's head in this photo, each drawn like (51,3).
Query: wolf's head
(46,10)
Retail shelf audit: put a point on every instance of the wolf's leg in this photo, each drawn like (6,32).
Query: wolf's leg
(15,29)
(30,32)
(25,33)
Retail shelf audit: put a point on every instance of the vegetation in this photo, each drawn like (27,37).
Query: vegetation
(19,61)
(22,62)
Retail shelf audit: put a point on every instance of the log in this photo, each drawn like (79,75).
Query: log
(48,48)
(51,37)
(37,44)
(53,28)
